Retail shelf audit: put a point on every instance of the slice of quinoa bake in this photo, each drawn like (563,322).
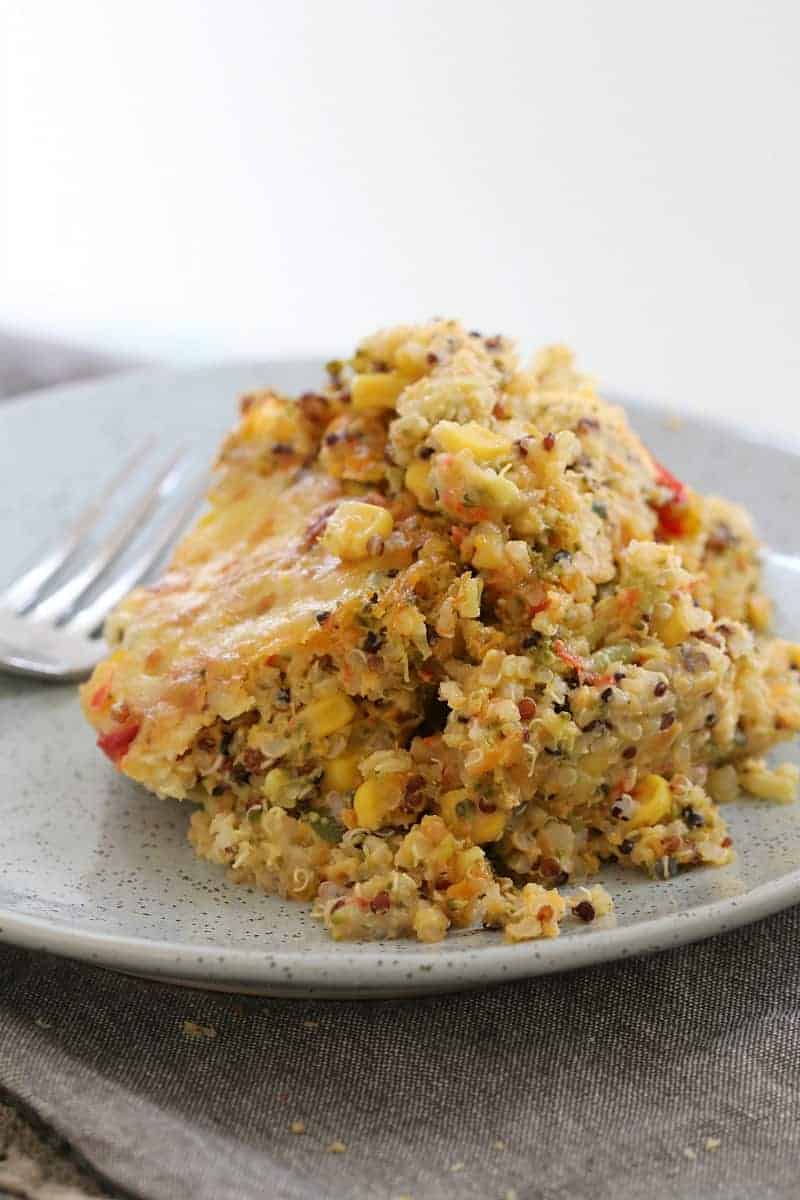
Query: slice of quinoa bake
(447,639)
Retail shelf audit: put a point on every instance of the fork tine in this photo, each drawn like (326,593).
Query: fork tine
(87,619)
(61,602)
(20,594)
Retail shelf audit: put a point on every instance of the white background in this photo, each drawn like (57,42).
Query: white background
(199,180)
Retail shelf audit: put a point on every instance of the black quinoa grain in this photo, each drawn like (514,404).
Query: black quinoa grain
(626,845)
(585,910)
(629,752)
(549,441)
(606,694)
(660,688)
(667,721)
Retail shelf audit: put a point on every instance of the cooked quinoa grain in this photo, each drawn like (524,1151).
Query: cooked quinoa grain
(447,639)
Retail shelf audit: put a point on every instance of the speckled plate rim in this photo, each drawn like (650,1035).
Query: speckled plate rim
(324,974)
(308,973)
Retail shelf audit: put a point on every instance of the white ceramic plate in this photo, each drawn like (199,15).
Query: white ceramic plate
(93,867)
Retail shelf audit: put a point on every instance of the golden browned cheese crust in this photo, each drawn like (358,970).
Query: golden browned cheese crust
(447,638)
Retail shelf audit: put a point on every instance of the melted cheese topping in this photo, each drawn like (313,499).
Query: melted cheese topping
(244,586)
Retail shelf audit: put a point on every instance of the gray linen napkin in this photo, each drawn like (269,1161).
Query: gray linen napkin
(674,1076)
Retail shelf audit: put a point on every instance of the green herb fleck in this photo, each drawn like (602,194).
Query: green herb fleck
(325,827)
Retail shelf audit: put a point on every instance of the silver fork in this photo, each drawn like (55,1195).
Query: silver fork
(54,635)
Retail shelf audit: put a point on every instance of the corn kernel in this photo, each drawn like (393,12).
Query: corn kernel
(680,519)
(351,527)
(341,774)
(489,548)
(409,360)
(671,630)
(430,923)
(376,390)
(463,890)
(483,444)
(449,802)
(655,802)
(466,820)
(488,827)
(275,784)
(325,716)
(468,599)
(759,612)
(499,492)
(691,522)
(418,482)
(374,800)
(267,421)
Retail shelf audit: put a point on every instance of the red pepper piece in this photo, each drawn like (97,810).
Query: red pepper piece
(572,660)
(671,521)
(101,695)
(666,479)
(671,516)
(584,673)
(117,742)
